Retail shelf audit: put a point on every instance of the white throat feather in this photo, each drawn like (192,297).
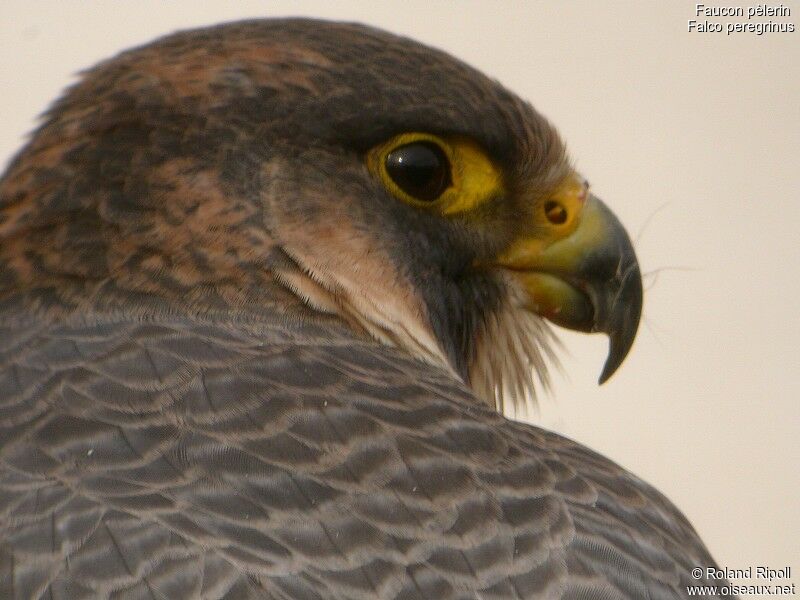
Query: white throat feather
(513,348)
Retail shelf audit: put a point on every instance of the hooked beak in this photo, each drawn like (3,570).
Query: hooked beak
(579,270)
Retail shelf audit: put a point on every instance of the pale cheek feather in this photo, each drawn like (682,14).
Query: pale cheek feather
(513,348)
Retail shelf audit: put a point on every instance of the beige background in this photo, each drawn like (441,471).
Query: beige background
(693,139)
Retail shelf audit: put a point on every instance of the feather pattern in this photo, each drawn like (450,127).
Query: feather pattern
(226,458)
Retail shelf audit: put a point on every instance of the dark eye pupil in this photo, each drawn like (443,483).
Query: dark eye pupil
(420,169)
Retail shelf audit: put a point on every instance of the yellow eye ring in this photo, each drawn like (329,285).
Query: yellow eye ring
(448,174)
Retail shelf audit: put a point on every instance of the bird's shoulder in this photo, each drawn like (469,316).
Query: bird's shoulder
(179,456)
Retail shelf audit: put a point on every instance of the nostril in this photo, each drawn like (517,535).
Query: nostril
(555,212)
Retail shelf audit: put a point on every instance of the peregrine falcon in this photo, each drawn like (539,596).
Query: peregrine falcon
(265,289)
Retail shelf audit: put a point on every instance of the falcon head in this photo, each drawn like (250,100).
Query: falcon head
(320,173)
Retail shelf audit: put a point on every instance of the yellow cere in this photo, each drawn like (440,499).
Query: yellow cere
(564,206)
(475,178)
(556,220)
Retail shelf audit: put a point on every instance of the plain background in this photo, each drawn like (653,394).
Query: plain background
(693,139)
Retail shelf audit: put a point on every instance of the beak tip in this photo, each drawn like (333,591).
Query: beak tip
(616,356)
(613,363)
(623,323)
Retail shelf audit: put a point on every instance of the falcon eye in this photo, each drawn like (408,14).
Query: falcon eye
(448,174)
(420,169)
